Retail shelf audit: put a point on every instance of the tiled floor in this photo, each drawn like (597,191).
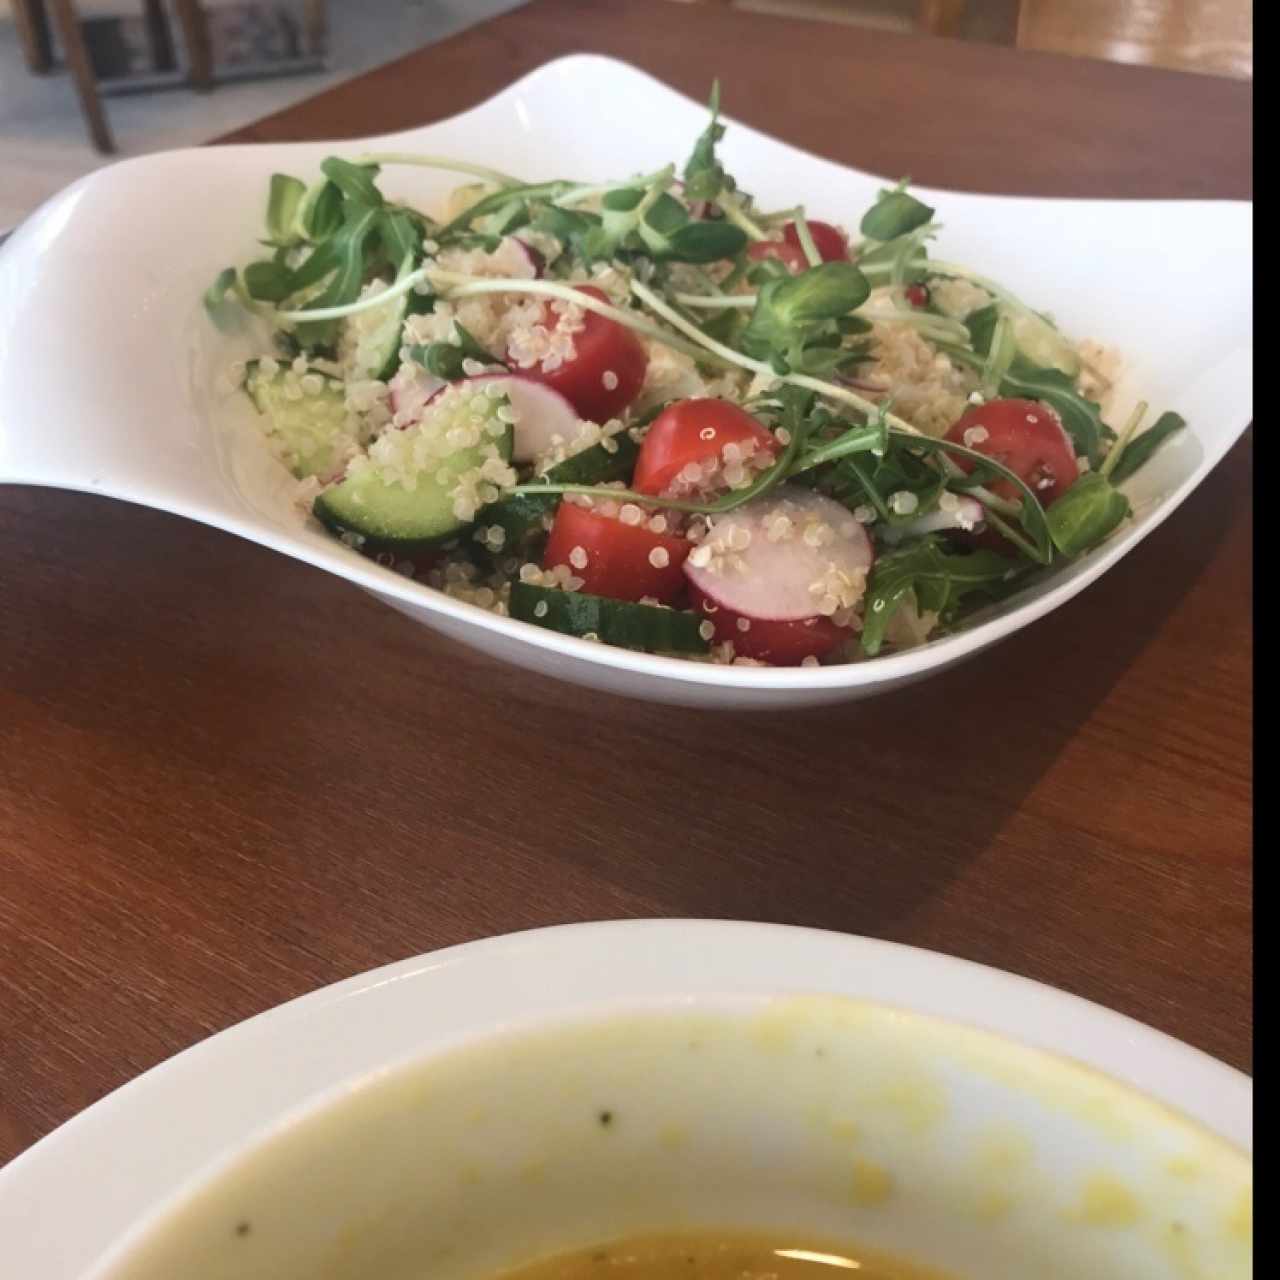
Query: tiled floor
(43,144)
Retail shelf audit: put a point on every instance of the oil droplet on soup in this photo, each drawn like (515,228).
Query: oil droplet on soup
(720,1257)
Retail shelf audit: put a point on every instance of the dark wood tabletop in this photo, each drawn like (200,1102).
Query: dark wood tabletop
(229,778)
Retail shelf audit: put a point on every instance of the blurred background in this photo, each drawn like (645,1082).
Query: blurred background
(84,81)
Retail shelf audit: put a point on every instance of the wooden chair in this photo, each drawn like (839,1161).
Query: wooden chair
(35,37)
(76,53)
(935,17)
(37,46)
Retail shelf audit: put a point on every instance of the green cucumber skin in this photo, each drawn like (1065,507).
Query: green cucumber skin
(520,517)
(308,450)
(376,517)
(374,544)
(615,622)
(597,465)
(392,361)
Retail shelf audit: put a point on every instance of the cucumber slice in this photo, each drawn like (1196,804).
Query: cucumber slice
(521,515)
(1040,343)
(616,622)
(369,341)
(1034,340)
(313,434)
(418,487)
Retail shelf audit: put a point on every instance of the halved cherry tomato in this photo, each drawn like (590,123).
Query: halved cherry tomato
(790,255)
(784,644)
(1028,438)
(917,295)
(829,242)
(694,431)
(617,559)
(608,370)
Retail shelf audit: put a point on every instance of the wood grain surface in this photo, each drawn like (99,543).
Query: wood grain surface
(229,778)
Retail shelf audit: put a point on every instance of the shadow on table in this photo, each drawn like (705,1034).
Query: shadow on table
(856,816)
(520,802)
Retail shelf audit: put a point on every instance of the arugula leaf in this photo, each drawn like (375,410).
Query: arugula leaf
(833,440)
(321,211)
(704,175)
(982,327)
(1032,515)
(319,263)
(1087,513)
(652,222)
(505,219)
(355,181)
(567,225)
(401,238)
(874,480)
(1140,449)
(571,227)
(445,359)
(895,214)
(940,581)
(283,201)
(529,192)
(347,247)
(1081,417)
(217,291)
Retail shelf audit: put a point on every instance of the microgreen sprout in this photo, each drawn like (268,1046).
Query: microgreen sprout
(349,279)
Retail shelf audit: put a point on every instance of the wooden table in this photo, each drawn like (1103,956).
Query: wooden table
(229,778)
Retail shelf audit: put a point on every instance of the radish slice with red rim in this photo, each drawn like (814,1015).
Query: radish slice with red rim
(536,258)
(540,415)
(513,258)
(791,555)
(411,390)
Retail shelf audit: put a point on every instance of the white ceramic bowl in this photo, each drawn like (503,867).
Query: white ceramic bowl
(109,367)
(676,1086)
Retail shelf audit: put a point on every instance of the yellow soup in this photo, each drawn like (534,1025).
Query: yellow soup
(720,1257)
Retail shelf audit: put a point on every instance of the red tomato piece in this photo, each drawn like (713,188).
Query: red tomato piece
(782,644)
(623,561)
(828,240)
(693,431)
(606,373)
(917,295)
(790,255)
(1028,438)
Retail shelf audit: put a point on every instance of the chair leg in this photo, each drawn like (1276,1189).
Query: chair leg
(195,32)
(77,55)
(316,23)
(159,37)
(941,17)
(33,35)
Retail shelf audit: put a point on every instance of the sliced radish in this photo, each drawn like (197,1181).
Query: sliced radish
(541,413)
(535,256)
(783,557)
(966,514)
(513,258)
(412,389)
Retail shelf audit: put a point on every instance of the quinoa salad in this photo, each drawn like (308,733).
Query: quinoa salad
(650,413)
